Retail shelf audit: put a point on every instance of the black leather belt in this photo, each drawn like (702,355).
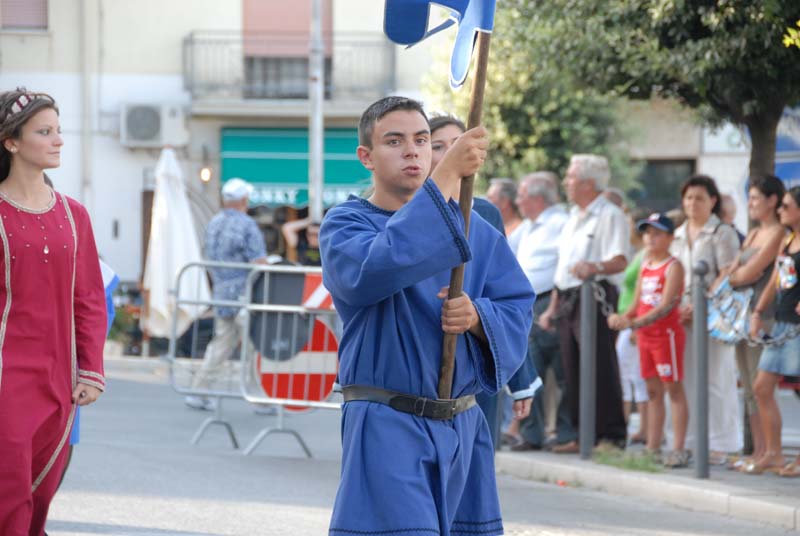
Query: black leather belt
(437,409)
(568,292)
(544,295)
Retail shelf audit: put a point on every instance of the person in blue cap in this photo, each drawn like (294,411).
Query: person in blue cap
(660,336)
(414,465)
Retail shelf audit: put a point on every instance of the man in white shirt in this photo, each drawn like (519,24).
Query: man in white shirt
(594,242)
(535,243)
(502,193)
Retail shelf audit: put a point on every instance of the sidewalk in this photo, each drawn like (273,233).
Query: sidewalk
(763,498)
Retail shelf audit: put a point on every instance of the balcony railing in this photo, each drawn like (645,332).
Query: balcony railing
(240,65)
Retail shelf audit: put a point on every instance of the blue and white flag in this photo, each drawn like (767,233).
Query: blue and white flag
(406,23)
(110,282)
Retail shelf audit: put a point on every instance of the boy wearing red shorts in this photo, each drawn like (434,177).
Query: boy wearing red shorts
(660,335)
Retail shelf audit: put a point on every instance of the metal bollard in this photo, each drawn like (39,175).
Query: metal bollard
(588,370)
(700,351)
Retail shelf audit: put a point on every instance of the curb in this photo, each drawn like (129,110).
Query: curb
(135,364)
(699,495)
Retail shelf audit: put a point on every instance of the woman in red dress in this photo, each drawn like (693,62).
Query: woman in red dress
(52,313)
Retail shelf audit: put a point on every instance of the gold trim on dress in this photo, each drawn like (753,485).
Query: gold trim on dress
(7,308)
(23,208)
(83,372)
(74,360)
(93,383)
(92,378)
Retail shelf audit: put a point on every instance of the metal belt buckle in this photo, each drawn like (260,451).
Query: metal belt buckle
(445,409)
(421,411)
(453,409)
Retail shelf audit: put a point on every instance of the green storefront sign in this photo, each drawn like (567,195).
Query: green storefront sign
(275,162)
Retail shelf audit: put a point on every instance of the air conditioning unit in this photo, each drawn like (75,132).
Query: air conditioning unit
(153,125)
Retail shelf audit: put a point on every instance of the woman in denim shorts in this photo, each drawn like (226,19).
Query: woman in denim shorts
(779,359)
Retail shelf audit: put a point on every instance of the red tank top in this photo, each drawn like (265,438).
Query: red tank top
(653,280)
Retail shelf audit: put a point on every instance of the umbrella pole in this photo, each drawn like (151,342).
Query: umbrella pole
(465,201)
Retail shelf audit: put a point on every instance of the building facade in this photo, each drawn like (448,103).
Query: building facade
(673,145)
(224,83)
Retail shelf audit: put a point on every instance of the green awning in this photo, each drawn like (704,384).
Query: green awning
(275,162)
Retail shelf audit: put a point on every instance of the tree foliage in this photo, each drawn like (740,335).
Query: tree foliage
(536,112)
(723,58)
(792,37)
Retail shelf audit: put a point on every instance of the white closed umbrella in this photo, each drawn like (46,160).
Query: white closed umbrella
(173,244)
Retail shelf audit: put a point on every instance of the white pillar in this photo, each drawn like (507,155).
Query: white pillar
(316,87)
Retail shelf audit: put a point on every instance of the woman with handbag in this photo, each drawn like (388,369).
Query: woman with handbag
(752,270)
(782,358)
(704,237)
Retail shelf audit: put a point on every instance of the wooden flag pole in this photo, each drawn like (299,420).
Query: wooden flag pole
(465,201)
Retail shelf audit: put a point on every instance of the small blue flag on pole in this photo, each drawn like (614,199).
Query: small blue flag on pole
(406,23)
(110,282)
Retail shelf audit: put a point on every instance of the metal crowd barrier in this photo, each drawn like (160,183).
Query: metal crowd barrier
(287,355)
(587,410)
(700,351)
(290,358)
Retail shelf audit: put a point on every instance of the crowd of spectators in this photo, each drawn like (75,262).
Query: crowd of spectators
(594,235)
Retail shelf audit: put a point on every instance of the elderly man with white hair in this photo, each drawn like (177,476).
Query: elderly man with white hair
(502,193)
(536,243)
(231,236)
(594,243)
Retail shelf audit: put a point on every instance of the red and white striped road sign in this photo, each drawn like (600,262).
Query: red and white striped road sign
(315,295)
(308,375)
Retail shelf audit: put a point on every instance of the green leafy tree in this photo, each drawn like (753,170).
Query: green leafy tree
(536,113)
(722,58)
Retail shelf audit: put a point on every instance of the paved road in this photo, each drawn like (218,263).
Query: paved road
(135,474)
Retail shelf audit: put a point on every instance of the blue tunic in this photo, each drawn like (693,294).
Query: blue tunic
(403,474)
(489,213)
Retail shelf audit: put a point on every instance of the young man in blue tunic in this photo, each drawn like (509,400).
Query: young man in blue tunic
(413,465)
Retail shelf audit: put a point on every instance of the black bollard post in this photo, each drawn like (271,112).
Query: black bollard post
(588,370)
(700,351)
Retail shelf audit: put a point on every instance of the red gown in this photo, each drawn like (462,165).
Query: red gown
(52,329)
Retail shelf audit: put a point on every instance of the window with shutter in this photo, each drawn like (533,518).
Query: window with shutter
(275,39)
(23,14)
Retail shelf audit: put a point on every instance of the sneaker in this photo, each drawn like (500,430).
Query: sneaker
(201,403)
(677,459)
(653,454)
(509,440)
(637,439)
(716,457)
(524,446)
(612,444)
(570,447)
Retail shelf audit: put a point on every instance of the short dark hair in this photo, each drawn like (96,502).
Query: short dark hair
(769,185)
(441,121)
(704,181)
(380,108)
